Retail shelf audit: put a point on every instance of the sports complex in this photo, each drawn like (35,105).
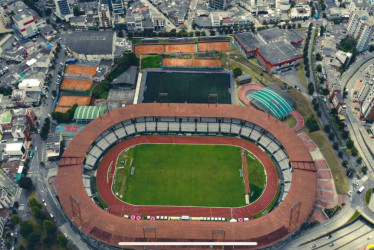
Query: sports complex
(186,172)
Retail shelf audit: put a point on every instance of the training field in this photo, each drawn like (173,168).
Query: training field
(181,175)
(187,87)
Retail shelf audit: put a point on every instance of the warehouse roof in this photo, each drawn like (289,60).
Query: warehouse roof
(278,52)
(91,42)
(88,112)
(248,40)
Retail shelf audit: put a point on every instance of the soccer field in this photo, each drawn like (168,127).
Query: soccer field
(180,175)
(187,87)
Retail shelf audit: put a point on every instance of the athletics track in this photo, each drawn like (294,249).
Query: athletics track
(120,208)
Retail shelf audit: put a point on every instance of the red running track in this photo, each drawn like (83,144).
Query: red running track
(120,208)
(299,121)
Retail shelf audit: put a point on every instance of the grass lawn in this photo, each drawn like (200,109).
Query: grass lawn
(368,196)
(256,177)
(151,61)
(301,75)
(181,175)
(290,121)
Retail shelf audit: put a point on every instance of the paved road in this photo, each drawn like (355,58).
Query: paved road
(358,134)
(191,14)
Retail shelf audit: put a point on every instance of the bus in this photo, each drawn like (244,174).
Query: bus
(360,189)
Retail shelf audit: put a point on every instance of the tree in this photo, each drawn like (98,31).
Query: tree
(48,12)
(354,151)
(359,160)
(77,11)
(350,143)
(345,163)
(120,34)
(319,68)
(33,240)
(340,154)
(350,172)
(197,33)
(347,44)
(49,228)
(327,128)
(212,32)
(54,93)
(310,88)
(332,136)
(26,228)
(312,124)
(16,219)
(25,183)
(237,72)
(61,240)
(318,57)
(364,169)
(38,213)
(335,145)
(299,25)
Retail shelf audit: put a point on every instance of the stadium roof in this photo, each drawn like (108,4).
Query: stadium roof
(267,99)
(88,112)
(278,52)
(91,42)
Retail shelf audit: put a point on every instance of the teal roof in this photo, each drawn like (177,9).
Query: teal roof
(272,101)
(88,112)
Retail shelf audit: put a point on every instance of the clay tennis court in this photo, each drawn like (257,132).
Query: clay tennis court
(180,48)
(66,102)
(76,84)
(215,46)
(149,49)
(197,63)
(81,70)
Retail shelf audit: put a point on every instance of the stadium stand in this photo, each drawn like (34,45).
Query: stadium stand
(274,137)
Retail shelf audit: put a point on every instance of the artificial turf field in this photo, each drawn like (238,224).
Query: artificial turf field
(187,87)
(181,175)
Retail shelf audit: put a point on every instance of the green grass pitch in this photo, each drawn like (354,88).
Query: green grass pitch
(181,175)
(187,87)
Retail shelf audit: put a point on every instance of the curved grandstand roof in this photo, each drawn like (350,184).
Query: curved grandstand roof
(110,229)
(268,99)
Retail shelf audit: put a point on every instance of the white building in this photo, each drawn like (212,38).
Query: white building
(4,198)
(15,149)
(361,27)
(25,24)
(158,21)
(300,12)
(31,85)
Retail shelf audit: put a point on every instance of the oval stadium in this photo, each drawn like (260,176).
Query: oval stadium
(156,172)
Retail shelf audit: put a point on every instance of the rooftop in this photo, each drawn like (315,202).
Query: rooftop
(91,42)
(88,112)
(6,117)
(128,77)
(248,40)
(278,52)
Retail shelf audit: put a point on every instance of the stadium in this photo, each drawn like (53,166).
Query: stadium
(106,144)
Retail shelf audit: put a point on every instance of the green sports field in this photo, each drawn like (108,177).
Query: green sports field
(181,175)
(187,87)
